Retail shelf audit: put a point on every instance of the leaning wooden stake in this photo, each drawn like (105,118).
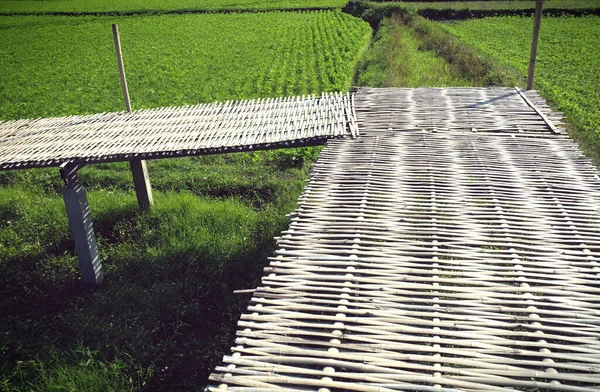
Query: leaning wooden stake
(115,29)
(534,43)
(141,180)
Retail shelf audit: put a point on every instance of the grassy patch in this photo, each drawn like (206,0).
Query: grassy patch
(412,65)
(398,58)
(567,65)
(482,69)
(64,65)
(166,312)
(410,51)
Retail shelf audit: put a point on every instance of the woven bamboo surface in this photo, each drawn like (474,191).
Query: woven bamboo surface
(497,109)
(176,131)
(429,260)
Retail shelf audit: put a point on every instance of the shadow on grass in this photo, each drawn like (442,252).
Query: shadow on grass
(166,309)
(165,315)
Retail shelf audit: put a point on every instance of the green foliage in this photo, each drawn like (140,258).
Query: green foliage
(567,65)
(64,65)
(480,68)
(411,51)
(375,11)
(493,5)
(136,6)
(83,372)
(372,68)
(294,157)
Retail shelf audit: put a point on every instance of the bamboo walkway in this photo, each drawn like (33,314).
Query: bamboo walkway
(454,246)
(175,131)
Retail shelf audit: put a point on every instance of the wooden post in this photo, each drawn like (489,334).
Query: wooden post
(141,180)
(115,29)
(80,221)
(534,43)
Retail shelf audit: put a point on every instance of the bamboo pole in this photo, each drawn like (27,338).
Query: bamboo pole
(115,29)
(534,43)
(139,169)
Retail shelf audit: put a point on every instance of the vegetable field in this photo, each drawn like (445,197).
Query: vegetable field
(130,6)
(568,64)
(65,65)
(166,313)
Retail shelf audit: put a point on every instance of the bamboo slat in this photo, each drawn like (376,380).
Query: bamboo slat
(454,246)
(176,131)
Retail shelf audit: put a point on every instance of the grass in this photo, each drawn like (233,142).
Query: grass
(567,65)
(166,313)
(398,59)
(136,6)
(65,65)
(410,51)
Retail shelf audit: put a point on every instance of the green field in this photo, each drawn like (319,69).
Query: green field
(130,6)
(65,65)
(500,5)
(488,5)
(567,70)
(166,313)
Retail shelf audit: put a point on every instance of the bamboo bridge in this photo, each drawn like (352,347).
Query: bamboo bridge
(453,246)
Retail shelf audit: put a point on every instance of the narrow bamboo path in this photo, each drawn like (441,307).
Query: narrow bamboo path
(453,246)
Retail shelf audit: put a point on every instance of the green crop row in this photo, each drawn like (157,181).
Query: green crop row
(567,63)
(131,6)
(63,65)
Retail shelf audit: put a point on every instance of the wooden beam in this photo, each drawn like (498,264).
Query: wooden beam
(141,181)
(80,221)
(534,43)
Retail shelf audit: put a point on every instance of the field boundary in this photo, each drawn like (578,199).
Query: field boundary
(172,12)
(374,11)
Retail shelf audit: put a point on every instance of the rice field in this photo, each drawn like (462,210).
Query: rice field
(567,69)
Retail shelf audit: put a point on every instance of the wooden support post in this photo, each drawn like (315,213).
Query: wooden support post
(80,220)
(141,181)
(534,43)
(115,29)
